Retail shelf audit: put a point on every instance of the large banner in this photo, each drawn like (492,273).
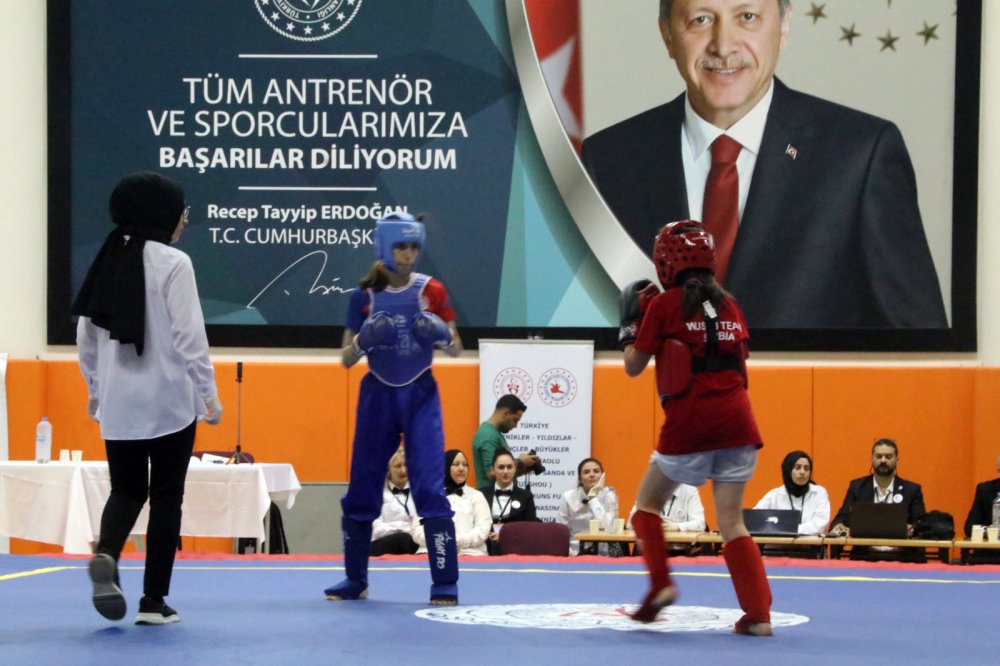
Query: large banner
(294,124)
(555,380)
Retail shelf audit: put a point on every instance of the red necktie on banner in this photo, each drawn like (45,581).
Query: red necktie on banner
(721,207)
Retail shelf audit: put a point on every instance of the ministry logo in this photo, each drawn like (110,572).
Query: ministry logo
(307,20)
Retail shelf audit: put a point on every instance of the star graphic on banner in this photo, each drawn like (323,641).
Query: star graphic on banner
(928,33)
(816,13)
(888,41)
(308,30)
(555,68)
(849,34)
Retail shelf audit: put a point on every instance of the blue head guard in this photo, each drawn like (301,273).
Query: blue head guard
(396,228)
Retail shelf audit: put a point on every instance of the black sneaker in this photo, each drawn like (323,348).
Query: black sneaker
(155,611)
(108,598)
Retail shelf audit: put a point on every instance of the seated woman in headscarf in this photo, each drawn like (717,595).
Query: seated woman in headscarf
(391,530)
(800,493)
(472,513)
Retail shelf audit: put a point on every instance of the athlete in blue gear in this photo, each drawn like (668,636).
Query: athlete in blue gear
(397,318)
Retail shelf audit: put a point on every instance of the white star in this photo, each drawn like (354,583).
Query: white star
(275,16)
(264,2)
(290,27)
(555,68)
(326,27)
(308,30)
(341,16)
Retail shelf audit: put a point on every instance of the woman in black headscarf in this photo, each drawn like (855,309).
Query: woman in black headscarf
(472,513)
(799,492)
(144,355)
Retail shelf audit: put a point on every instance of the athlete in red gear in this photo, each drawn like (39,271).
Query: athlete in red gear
(697,334)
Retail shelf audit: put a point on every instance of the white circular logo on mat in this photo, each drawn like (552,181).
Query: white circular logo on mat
(557,387)
(513,380)
(598,616)
(307,20)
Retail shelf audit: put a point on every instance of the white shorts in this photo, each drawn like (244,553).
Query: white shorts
(726,465)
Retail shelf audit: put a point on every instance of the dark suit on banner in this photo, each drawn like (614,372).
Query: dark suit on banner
(863,490)
(831,235)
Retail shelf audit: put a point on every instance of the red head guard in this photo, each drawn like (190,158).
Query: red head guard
(682,245)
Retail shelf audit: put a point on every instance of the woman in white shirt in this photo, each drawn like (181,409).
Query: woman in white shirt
(472,513)
(800,493)
(586,502)
(143,352)
(391,530)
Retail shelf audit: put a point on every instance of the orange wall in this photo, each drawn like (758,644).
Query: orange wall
(945,420)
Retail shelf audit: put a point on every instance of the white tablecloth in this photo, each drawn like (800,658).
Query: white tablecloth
(61,503)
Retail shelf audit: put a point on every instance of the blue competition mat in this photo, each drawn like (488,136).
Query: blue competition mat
(273,611)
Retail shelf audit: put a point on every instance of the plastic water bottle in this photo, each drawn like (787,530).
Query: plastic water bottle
(996,511)
(43,441)
(610,508)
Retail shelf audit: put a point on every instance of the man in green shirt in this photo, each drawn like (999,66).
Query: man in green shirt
(490,437)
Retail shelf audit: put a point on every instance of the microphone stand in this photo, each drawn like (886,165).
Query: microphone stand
(239,456)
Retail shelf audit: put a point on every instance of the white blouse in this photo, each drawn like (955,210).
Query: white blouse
(472,523)
(577,514)
(684,510)
(398,512)
(164,390)
(815,506)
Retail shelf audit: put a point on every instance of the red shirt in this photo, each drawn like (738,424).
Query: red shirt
(715,413)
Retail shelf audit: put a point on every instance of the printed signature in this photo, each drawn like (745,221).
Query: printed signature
(316,288)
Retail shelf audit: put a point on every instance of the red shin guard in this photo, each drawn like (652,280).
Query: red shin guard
(649,531)
(749,579)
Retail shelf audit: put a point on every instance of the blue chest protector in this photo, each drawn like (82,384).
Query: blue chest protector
(406,361)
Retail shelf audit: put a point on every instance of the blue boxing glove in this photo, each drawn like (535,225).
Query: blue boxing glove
(429,329)
(378,332)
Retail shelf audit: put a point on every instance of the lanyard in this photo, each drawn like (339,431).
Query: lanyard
(403,504)
(503,507)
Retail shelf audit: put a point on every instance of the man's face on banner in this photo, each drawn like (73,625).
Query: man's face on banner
(726,51)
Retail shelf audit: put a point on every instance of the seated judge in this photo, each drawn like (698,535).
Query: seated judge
(473,521)
(391,530)
(981,513)
(683,512)
(799,492)
(508,503)
(584,503)
(882,486)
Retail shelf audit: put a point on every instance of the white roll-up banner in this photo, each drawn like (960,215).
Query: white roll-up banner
(555,379)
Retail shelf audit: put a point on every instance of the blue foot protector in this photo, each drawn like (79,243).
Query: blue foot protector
(444,594)
(347,590)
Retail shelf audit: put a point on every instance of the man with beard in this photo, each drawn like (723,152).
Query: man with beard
(489,438)
(881,486)
(787,183)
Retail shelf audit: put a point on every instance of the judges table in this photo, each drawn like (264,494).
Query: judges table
(824,542)
(61,502)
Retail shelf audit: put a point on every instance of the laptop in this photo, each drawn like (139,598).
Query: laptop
(869,520)
(772,522)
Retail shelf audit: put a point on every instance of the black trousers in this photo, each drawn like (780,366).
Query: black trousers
(154,469)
